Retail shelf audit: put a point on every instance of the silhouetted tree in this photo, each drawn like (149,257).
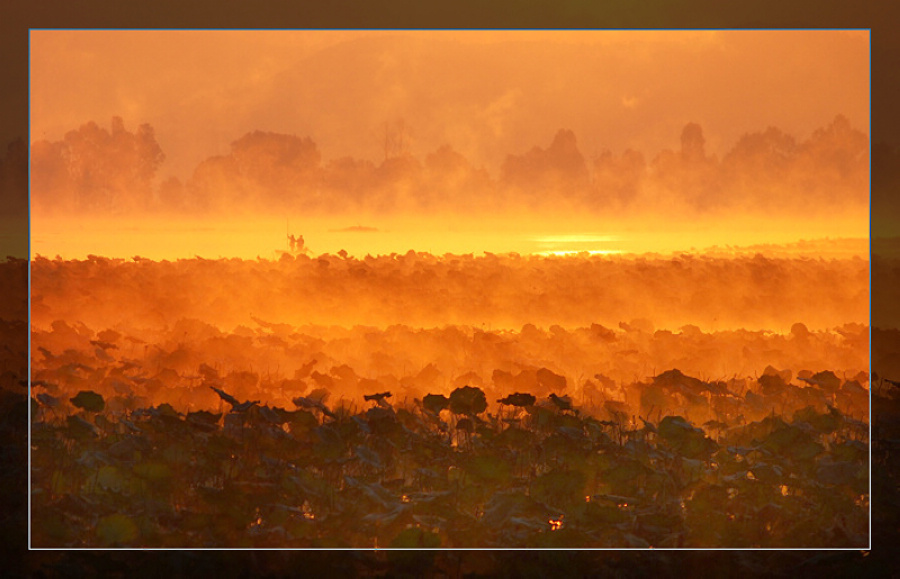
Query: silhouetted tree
(833,165)
(617,181)
(693,144)
(689,176)
(93,169)
(557,170)
(263,170)
(451,181)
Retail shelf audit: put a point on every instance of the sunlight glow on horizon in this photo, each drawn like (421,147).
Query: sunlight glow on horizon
(266,237)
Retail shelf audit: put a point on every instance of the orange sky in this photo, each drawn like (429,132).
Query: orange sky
(487,94)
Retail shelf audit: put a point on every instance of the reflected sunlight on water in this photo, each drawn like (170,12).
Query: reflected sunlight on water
(267,238)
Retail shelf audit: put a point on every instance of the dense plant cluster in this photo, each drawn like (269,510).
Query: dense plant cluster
(594,365)
(218,410)
(424,290)
(13,405)
(443,471)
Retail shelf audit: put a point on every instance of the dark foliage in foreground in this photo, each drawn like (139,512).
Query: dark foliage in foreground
(20,563)
(541,475)
(458,563)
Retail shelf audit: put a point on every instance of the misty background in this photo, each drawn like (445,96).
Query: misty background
(405,121)
(114,170)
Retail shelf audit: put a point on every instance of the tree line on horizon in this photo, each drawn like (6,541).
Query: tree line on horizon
(94,170)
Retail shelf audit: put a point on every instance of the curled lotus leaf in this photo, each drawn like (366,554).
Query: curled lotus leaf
(434,403)
(518,399)
(684,438)
(89,400)
(468,400)
(826,423)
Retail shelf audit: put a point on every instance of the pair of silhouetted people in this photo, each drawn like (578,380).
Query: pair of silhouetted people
(296,243)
